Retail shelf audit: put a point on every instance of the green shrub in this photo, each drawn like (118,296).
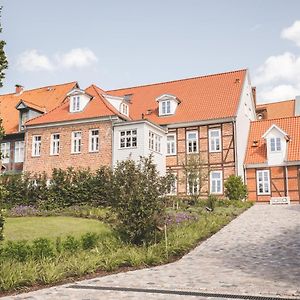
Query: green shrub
(211,202)
(71,244)
(89,240)
(139,203)
(19,251)
(42,248)
(235,189)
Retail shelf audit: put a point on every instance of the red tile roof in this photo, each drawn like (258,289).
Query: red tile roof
(202,98)
(278,109)
(97,107)
(44,98)
(290,125)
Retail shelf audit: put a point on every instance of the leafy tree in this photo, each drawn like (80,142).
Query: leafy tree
(196,176)
(139,199)
(235,189)
(3,59)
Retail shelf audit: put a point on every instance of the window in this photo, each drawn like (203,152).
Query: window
(263,182)
(154,141)
(193,184)
(94,140)
(24,117)
(214,140)
(5,151)
(54,146)
(275,144)
(124,109)
(171,144)
(173,187)
(19,151)
(36,145)
(192,142)
(76,142)
(166,107)
(216,185)
(128,138)
(75,103)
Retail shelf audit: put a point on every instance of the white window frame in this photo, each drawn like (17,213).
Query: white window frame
(128,139)
(76,142)
(124,109)
(173,188)
(5,152)
(214,139)
(75,104)
(276,142)
(171,145)
(55,144)
(94,140)
(195,191)
(188,140)
(263,182)
(216,180)
(154,142)
(36,145)
(19,151)
(166,107)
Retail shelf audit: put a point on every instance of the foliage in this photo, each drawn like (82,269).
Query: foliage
(196,175)
(3,59)
(235,189)
(139,202)
(71,244)
(89,240)
(211,202)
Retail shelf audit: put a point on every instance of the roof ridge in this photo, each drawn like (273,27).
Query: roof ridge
(280,101)
(274,119)
(42,87)
(178,80)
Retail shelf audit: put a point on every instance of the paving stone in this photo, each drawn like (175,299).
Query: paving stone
(256,254)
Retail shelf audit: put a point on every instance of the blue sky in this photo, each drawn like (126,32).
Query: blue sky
(125,43)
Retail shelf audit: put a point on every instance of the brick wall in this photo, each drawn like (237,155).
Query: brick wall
(46,162)
(224,160)
(277,183)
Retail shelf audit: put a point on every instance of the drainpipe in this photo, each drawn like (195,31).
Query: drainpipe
(286,181)
(235,148)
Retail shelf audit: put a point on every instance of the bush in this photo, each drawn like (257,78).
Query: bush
(19,251)
(211,202)
(42,248)
(235,189)
(139,203)
(89,240)
(71,244)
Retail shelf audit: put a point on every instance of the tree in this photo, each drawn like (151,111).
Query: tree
(3,59)
(139,199)
(196,176)
(235,189)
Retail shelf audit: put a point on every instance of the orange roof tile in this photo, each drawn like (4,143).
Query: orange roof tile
(45,98)
(290,125)
(202,98)
(278,109)
(97,107)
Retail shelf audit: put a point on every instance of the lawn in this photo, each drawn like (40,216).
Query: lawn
(30,228)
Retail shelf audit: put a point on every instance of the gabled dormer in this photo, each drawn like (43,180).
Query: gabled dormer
(28,111)
(78,100)
(167,104)
(121,104)
(276,141)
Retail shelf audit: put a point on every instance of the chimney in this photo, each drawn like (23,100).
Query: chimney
(19,89)
(254,94)
(297,106)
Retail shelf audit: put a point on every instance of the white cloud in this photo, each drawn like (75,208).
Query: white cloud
(280,92)
(79,57)
(32,60)
(292,33)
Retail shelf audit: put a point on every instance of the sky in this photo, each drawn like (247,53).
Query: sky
(119,43)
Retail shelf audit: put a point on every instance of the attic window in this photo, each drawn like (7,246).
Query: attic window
(167,104)
(166,107)
(75,105)
(275,144)
(124,109)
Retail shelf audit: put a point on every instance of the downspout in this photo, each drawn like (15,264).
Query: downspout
(286,181)
(112,143)
(235,147)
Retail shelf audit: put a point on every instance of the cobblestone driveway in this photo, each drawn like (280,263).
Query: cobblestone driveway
(256,254)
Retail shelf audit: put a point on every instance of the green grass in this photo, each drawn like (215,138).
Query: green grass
(30,228)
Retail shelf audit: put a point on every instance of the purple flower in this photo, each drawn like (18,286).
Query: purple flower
(23,211)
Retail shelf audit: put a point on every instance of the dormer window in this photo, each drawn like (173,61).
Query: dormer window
(166,107)
(124,109)
(275,144)
(75,103)
(167,104)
